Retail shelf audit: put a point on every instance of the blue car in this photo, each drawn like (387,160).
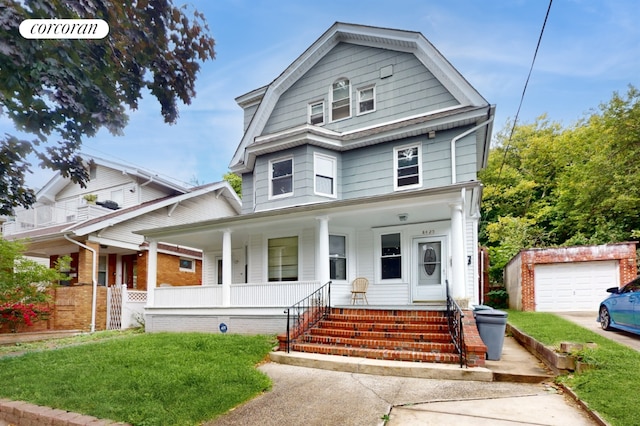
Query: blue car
(621,310)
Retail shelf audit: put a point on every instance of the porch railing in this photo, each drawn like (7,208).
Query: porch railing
(303,315)
(454,318)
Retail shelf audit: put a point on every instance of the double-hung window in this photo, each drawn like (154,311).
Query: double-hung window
(283,259)
(324,168)
(341,99)
(390,257)
(316,113)
(407,167)
(337,257)
(281,177)
(366,100)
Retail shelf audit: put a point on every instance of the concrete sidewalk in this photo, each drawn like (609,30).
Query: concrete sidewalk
(521,393)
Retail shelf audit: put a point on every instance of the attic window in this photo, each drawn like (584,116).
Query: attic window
(92,171)
(366,100)
(316,113)
(341,100)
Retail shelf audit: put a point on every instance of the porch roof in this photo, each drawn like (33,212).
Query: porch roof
(423,205)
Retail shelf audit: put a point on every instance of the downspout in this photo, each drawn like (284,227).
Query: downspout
(93,279)
(456,139)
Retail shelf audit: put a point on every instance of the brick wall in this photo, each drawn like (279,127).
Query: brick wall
(625,253)
(73,305)
(168,271)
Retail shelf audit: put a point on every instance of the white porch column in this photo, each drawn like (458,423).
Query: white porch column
(226,267)
(322,255)
(152,271)
(458,285)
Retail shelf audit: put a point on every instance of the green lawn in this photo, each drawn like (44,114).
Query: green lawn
(611,388)
(142,379)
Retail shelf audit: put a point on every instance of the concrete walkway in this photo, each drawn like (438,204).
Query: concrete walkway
(341,393)
(588,321)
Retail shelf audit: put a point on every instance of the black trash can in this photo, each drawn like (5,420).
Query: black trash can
(491,326)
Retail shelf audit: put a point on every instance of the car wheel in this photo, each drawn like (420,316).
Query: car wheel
(605,318)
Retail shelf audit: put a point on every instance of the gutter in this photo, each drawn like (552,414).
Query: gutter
(457,138)
(93,279)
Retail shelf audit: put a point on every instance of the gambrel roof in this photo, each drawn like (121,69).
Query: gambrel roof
(470,102)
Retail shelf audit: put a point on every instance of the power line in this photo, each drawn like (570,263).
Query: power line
(524,90)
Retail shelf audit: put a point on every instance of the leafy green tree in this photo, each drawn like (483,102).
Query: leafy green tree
(235,181)
(63,90)
(551,186)
(24,285)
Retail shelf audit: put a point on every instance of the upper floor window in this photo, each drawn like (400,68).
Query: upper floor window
(316,113)
(341,99)
(408,167)
(281,177)
(325,173)
(366,100)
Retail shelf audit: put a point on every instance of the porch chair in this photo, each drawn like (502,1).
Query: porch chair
(359,290)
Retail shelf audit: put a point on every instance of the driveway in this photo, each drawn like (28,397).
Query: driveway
(588,321)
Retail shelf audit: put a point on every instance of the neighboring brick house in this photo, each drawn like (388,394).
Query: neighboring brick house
(70,220)
(568,278)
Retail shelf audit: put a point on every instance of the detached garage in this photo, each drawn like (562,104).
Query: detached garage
(568,278)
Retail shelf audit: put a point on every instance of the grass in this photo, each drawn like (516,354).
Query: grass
(142,379)
(610,388)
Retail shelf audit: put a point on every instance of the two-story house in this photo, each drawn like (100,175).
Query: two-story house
(359,160)
(94,226)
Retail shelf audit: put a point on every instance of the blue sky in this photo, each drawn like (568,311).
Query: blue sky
(590,49)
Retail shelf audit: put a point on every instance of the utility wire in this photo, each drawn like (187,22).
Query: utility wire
(515,121)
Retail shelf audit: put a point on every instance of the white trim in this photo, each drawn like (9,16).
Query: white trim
(334,173)
(331,100)
(188,259)
(377,247)
(396,151)
(359,100)
(310,112)
(270,172)
(265,251)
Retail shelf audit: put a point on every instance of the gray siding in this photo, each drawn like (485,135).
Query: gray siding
(363,172)
(303,179)
(412,89)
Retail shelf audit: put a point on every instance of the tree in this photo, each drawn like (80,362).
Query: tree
(553,186)
(24,285)
(235,181)
(63,90)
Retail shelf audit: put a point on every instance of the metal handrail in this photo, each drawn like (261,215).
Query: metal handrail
(307,312)
(454,318)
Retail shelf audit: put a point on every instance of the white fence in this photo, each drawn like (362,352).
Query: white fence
(125,308)
(272,294)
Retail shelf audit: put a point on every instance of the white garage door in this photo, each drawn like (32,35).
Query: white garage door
(578,286)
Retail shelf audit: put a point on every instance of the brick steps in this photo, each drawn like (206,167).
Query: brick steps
(399,335)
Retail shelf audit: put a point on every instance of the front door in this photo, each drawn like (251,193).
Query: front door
(428,270)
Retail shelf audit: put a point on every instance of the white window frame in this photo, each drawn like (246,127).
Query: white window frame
(396,155)
(332,101)
(333,176)
(273,196)
(346,255)
(183,269)
(311,115)
(373,99)
(379,256)
(266,251)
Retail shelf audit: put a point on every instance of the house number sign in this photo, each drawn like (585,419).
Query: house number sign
(428,232)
